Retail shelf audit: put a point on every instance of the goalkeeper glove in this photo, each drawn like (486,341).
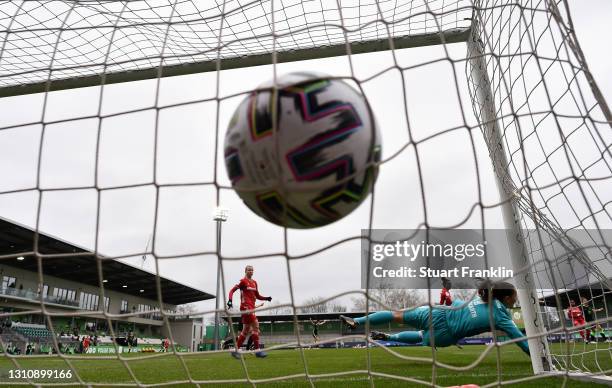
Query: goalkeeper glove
(269,299)
(229,304)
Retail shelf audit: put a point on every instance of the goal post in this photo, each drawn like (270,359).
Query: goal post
(297,54)
(94,43)
(486,52)
(485,109)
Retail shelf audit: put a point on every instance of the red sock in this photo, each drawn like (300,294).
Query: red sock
(255,337)
(241,339)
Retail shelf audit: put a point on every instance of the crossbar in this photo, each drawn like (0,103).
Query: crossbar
(420,40)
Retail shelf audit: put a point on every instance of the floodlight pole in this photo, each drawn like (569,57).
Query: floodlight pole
(220,215)
(534,325)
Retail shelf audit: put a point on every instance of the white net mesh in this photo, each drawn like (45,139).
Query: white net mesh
(110,167)
(55,40)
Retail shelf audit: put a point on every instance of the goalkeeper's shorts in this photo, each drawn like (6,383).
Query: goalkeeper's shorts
(419,318)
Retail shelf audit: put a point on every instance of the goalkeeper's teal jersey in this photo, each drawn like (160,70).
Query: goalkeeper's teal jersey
(473,319)
(466,320)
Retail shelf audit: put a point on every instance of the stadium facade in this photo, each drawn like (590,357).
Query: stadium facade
(68,291)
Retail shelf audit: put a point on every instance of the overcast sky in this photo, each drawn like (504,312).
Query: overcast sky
(186,136)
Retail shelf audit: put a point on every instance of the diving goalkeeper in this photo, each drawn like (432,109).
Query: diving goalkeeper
(448,326)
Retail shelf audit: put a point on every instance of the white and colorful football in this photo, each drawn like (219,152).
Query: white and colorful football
(317,164)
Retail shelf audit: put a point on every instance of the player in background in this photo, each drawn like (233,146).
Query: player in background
(589,314)
(451,325)
(576,315)
(249,293)
(598,330)
(315,329)
(131,341)
(445,296)
(165,345)
(86,343)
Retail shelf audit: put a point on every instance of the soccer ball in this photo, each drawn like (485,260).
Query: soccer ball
(317,164)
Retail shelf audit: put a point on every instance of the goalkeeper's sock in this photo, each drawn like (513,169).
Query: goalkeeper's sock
(240,340)
(376,318)
(255,337)
(407,337)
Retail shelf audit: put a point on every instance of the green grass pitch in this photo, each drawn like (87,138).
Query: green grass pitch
(166,368)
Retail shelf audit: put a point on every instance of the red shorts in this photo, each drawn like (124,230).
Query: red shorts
(579,322)
(249,318)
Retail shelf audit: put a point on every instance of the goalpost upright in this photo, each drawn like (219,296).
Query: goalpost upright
(484,106)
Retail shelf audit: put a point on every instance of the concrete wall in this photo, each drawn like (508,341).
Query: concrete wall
(186,332)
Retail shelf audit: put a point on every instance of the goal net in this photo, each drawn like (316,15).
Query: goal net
(111,138)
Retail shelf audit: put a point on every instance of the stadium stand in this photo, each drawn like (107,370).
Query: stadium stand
(71,284)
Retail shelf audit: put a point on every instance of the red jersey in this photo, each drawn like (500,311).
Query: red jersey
(248,293)
(445,297)
(575,313)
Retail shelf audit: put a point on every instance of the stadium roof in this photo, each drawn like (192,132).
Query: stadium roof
(15,238)
(597,292)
